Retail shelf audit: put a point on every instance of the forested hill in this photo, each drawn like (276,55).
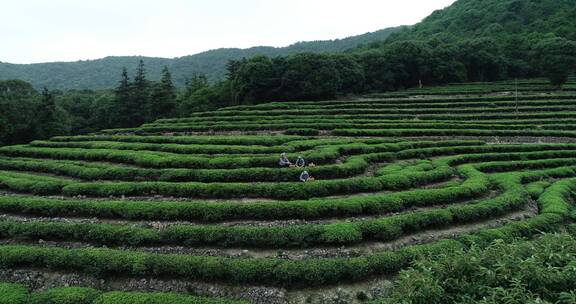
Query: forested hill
(467,19)
(104,73)
(470,41)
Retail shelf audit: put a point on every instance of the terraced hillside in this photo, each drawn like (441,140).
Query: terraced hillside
(200,206)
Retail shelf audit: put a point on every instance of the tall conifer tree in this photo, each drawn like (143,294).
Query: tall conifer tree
(123,115)
(51,120)
(163,101)
(140,96)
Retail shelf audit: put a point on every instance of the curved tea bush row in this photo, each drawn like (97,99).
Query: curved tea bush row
(364,119)
(161,159)
(535,189)
(35,184)
(506,166)
(313,122)
(293,146)
(359,110)
(317,122)
(464,154)
(395,167)
(18,294)
(506,153)
(188,140)
(172,148)
(554,205)
(297,127)
(531,176)
(469,91)
(157,298)
(455,112)
(448,132)
(398,117)
(293,127)
(555,198)
(376,104)
(475,185)
(96,171)
(268,141)
(302,130)
(461,101)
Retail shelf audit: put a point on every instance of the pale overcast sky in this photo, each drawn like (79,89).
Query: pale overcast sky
(70,30)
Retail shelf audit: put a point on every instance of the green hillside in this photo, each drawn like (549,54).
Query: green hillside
(104,73)
(467,19)
(470,41)
(482,29)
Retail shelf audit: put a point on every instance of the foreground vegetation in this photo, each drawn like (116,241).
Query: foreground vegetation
(538,271)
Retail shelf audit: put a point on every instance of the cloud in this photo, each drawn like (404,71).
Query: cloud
(67,30)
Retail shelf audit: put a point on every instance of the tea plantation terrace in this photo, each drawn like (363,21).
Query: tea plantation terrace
(199,205)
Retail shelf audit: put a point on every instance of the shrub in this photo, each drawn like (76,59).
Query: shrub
(157,298)
(302,132)
(525,271)
(12,294)
(67,295)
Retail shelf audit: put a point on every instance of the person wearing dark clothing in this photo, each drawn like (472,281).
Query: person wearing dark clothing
(304,177)
(300,162)
(284,161)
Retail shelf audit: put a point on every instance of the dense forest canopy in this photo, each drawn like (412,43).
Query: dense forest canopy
(467,19)
(472,40)
(28,114)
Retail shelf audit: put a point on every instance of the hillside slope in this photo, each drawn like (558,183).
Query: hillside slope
(496,18)
(201,204)
(104,73)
